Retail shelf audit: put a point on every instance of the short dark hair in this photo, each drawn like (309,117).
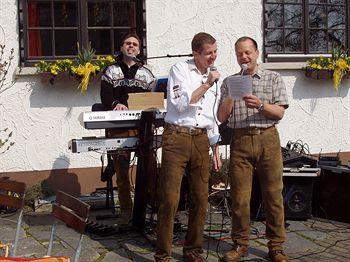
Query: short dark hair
(128,36)
(201,39)
(245,38)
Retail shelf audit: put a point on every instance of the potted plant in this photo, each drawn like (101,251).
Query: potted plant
(336,67)
(85,66)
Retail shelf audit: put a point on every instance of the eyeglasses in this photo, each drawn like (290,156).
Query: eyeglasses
(132,43)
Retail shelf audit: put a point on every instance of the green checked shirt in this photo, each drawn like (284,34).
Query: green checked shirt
(269,87)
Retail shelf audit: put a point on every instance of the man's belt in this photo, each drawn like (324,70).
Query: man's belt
(193,131)
(252,130)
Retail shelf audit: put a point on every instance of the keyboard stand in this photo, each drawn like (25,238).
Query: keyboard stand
(146,166)
(109,200)
(109,174)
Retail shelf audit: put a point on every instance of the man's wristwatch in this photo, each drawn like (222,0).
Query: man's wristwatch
(260,107)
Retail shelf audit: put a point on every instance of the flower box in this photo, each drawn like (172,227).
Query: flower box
(318,73)
(335,67)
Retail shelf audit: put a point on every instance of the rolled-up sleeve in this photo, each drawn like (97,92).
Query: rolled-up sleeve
(214,135)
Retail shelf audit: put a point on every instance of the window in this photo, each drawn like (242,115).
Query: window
(51,29)
(304,26)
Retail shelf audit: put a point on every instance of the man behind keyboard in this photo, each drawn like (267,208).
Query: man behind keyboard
(126,75)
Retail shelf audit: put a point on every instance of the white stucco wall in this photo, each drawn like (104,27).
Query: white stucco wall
(44,118)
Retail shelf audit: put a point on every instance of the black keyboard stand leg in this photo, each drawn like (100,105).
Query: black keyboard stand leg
(109,200)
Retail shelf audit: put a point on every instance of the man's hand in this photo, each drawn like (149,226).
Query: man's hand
(203,88)
(120,107)
(213,76)
(251,101)
(270,111)
(217,164)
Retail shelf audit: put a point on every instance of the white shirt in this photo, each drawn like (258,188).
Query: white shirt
(184,78)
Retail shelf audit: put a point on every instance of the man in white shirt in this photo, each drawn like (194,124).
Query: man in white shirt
(190,129)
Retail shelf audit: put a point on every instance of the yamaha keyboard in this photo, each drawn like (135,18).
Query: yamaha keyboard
(118,119)
(88,144)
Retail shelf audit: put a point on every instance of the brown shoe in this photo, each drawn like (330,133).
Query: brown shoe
(193,255)
(236,253)
(277,256)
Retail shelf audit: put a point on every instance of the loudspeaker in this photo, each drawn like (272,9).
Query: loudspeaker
(297,198)
(332,194)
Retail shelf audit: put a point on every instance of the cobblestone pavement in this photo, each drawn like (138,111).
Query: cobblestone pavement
(311,240)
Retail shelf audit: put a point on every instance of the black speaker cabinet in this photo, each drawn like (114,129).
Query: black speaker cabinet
(297,197)
(332,194)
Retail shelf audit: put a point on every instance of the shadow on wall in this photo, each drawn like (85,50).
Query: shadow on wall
(308,88)
(63,93)
(62,179)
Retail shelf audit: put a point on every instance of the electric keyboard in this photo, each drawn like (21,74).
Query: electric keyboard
(88,144)
(118,119)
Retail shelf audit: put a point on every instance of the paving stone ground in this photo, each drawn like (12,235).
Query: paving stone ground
(310,240)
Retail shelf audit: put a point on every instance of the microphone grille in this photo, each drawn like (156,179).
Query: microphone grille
(213,68)
(244,67)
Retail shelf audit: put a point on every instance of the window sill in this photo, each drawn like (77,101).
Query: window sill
(283,65)
(26,71)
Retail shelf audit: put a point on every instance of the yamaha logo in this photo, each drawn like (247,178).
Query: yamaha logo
(96,117)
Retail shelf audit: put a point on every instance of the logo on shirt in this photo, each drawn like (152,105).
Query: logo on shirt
(176,90)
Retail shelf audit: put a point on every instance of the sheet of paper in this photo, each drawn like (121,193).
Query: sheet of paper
(238,86)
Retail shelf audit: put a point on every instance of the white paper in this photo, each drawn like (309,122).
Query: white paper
(238,86)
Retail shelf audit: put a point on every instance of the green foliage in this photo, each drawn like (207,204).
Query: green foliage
(43,66)
(32,195)
(338,65)
(338,52)
(37,191)
(85,55)
(82,68)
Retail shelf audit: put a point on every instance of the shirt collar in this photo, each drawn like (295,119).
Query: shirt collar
(192,66)
(120,62)
(259,73)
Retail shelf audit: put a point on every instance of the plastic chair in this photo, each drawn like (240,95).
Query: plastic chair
(12,195)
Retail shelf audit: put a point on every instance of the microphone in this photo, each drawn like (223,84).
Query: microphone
(134,58)
(213,68)
(244,68)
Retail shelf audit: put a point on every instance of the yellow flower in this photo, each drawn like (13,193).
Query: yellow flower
(68,61)
(54,69)
(110,59)
(330,67)
(341,64)
(77,67)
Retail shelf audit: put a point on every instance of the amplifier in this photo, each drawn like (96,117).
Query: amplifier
(297,194)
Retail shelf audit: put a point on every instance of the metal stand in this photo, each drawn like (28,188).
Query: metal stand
(146,167)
